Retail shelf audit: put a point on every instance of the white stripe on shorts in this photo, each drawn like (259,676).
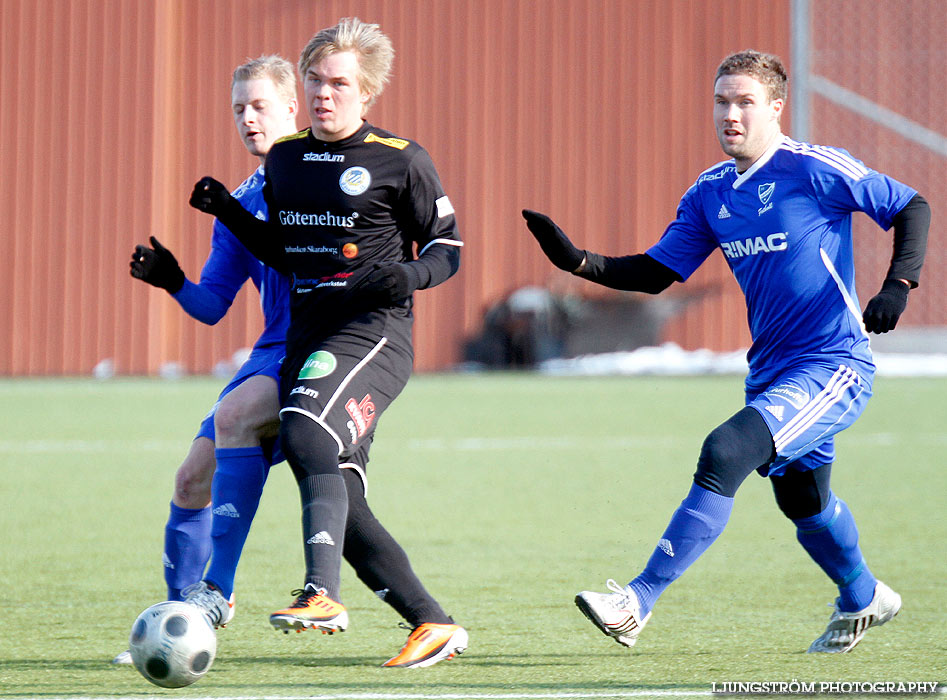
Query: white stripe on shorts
(361,475)
(313,417)
(321,418)
(348,377)
(843,379)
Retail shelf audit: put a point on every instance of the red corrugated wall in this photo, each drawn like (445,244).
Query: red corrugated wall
(596,111)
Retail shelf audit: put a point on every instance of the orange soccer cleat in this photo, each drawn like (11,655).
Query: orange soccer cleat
(312,609)
(429,643)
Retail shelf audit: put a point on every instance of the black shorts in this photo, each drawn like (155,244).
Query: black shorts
(358,463)
(346,381)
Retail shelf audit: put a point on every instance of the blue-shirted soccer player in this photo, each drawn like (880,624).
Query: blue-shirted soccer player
(781,213)
(226,466)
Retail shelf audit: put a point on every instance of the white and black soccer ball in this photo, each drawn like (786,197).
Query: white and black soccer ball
(172,644)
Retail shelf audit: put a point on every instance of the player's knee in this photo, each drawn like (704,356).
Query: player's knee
(797,505)
(307,446)
(802,494)
(732,451)
(242,421)
(192,483)
(717,461)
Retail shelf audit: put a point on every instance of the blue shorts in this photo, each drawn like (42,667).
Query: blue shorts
(805,407)
(264,362)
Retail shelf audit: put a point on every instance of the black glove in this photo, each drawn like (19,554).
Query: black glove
(885,308)
(555,244)
(157,267)
(210,196)
(384,286)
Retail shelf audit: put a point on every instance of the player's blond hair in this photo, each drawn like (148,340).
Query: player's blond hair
(764,67)
(274,67)
(370,45)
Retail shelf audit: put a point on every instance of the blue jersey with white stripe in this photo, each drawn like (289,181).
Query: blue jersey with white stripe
(229,265)
(785,229)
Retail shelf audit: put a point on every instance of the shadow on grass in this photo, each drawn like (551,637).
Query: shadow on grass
(524,661)
(501,660)
(465,675)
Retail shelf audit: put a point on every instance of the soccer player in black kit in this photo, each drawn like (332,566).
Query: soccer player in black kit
(358,221)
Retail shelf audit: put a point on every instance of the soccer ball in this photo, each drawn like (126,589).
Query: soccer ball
(172,644)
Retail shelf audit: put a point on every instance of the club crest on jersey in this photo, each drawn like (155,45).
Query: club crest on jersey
(765,192)
(355,180)
(319,364)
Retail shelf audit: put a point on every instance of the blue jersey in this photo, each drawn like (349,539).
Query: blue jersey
(785,229)
(229,265)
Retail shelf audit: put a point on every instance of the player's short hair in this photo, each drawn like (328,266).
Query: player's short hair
(764,67)
(370,45)
(274,67)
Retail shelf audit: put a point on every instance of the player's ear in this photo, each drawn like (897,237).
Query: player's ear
(777,108)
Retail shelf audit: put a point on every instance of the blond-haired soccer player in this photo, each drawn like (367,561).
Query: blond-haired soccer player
(235,445)
(359,221)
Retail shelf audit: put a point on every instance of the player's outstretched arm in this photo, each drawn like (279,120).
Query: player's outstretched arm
(260,237)
(630,273)
(157,266)
(911,226)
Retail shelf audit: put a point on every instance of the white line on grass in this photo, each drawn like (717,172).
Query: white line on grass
(604,695)
(474,444)
(431,696)
(86,446)
(531,443)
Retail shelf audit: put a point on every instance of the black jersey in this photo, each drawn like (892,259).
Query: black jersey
(341,208)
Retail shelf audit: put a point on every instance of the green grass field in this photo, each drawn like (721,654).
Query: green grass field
(510,492)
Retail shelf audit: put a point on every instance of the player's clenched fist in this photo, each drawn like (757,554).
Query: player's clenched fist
(885,308)
(555,244)
(157,266)
(210,196)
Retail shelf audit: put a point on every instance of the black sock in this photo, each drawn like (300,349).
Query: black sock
(324,512)
(381,563)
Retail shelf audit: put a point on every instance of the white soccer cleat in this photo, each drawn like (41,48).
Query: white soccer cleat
(123,658)
(617,614)
(846,629)
(205,595)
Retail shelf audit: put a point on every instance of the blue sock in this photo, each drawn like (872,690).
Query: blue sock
(694,526)
(186,547)
(831,539)
(236,491)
